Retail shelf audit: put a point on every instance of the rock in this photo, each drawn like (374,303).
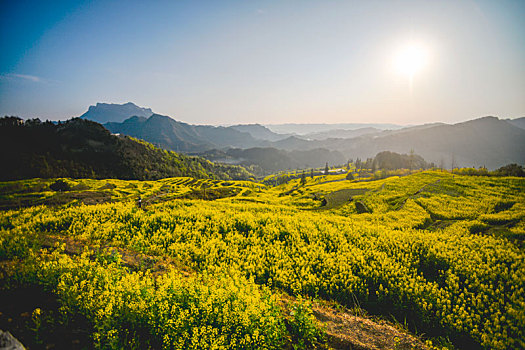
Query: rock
(8,342)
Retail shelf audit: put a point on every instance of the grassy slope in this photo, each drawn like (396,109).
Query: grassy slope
(445,252)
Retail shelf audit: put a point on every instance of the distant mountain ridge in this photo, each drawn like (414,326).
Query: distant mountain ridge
(177,136)
(259,131)
(111,112)
(304,129)
(486,141)
(341,133)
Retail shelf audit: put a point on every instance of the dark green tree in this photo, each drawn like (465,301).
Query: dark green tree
(511,170)
(357,164)
(326,169)
(60,186)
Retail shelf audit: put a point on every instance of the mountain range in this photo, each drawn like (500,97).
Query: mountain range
(181,137)
(486,141)
(304,129)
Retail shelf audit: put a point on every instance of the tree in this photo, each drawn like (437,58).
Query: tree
(411,159)
(392,160)
(312,173)
(60,186)
(303,178)
(326,169)
(368,164)
(349,176)
(511,170)
(358,164)
(11,121)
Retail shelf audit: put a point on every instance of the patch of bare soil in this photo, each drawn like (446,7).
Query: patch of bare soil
(347,331)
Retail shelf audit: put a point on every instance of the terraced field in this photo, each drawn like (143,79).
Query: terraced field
(240,264)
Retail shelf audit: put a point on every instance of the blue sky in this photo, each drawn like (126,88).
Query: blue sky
(225,62)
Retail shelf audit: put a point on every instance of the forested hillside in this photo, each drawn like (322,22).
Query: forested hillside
(81,148)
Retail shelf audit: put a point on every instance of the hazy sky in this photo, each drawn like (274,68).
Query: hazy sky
(217,62)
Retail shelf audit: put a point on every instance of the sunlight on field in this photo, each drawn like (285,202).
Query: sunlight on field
(443,252)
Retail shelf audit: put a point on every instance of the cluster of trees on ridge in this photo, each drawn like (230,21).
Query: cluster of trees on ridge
(386,164)
(391,161)
(81,148)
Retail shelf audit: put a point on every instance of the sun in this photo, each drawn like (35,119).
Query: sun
(410,60)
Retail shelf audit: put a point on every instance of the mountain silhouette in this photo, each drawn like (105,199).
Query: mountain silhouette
(110,112)
(182,137)
(486,141)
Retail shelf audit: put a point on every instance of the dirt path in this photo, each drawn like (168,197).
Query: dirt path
(347,331)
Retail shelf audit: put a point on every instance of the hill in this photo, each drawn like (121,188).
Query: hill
(181,137)
(111,112)
(161,131)
(259,131)
(487,141)
(81,148)
(303,129)
(341,133)
(519,122)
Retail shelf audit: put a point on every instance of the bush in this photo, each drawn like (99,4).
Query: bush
(60,186)
(303,327)
(511,170)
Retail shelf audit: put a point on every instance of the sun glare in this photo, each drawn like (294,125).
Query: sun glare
(410,59)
